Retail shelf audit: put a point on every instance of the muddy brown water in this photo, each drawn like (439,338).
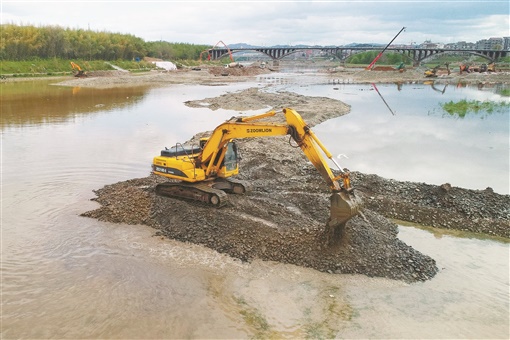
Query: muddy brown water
(65,276)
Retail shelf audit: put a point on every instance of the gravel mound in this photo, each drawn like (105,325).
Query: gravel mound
(444,206)
(282,219)
(286,224)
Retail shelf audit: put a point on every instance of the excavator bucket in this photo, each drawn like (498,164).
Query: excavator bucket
(344,206)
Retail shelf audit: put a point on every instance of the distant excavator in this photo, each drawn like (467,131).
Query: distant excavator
(80,72)
(204,172)
(432,73)
(465,68)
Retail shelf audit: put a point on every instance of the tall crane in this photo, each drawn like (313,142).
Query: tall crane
(369,67)
(209,55)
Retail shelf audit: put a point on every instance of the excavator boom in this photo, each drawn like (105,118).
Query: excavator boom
(216,160)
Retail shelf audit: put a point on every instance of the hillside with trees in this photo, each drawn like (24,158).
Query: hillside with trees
(20,43)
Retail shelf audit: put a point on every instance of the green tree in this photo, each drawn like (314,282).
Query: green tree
(29,42)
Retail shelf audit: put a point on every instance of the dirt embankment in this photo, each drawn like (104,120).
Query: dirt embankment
(205,75)
(215,75)
(284,217)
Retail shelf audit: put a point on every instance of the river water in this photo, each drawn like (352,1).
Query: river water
(66,276)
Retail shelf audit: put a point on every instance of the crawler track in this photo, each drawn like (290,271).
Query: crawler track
(201,192)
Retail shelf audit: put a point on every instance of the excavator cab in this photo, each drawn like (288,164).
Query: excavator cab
(231,157)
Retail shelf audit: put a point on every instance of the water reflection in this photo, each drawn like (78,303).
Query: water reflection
(440,233)
(466,299)
(384,100)
(39,102)
(482,109)
(65,276)
(433,86)
(407,136)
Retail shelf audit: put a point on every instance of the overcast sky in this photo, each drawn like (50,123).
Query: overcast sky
(270,22)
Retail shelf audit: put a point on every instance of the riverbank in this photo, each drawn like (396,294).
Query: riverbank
(216,75)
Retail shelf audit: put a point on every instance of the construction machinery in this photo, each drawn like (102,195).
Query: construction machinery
(208,52)
(464,68)
(80,72)
(485,68)
(204,172)
(401,67)
(369,67)
(432,72)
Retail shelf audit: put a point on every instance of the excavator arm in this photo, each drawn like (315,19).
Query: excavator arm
(75,66)
(250,127)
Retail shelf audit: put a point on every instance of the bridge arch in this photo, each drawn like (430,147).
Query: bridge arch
(273,53)
(485,56)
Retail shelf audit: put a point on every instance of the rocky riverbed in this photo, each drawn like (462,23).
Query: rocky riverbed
(284,217)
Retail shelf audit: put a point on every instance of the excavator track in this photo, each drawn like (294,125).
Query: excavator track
(232,185)
(200,192)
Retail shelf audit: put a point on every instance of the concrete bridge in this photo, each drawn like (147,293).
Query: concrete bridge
(417,54)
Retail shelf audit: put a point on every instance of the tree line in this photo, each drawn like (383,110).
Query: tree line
(20,43)
(387,58)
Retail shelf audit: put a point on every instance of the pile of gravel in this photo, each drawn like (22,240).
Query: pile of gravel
(444,206)
(283,219)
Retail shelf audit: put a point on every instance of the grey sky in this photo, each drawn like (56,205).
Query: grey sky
(269,22)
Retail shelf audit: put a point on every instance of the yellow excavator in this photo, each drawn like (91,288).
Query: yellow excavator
(203,173)
(80,72)
(431,73)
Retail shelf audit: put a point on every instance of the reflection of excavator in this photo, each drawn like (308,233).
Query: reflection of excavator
(203,172)
(77,67)
(433,86)
(438,90)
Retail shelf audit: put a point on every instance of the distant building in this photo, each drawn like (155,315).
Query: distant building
(506,43)
(463,45)
(431,45)
(490,44)
(481,44)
